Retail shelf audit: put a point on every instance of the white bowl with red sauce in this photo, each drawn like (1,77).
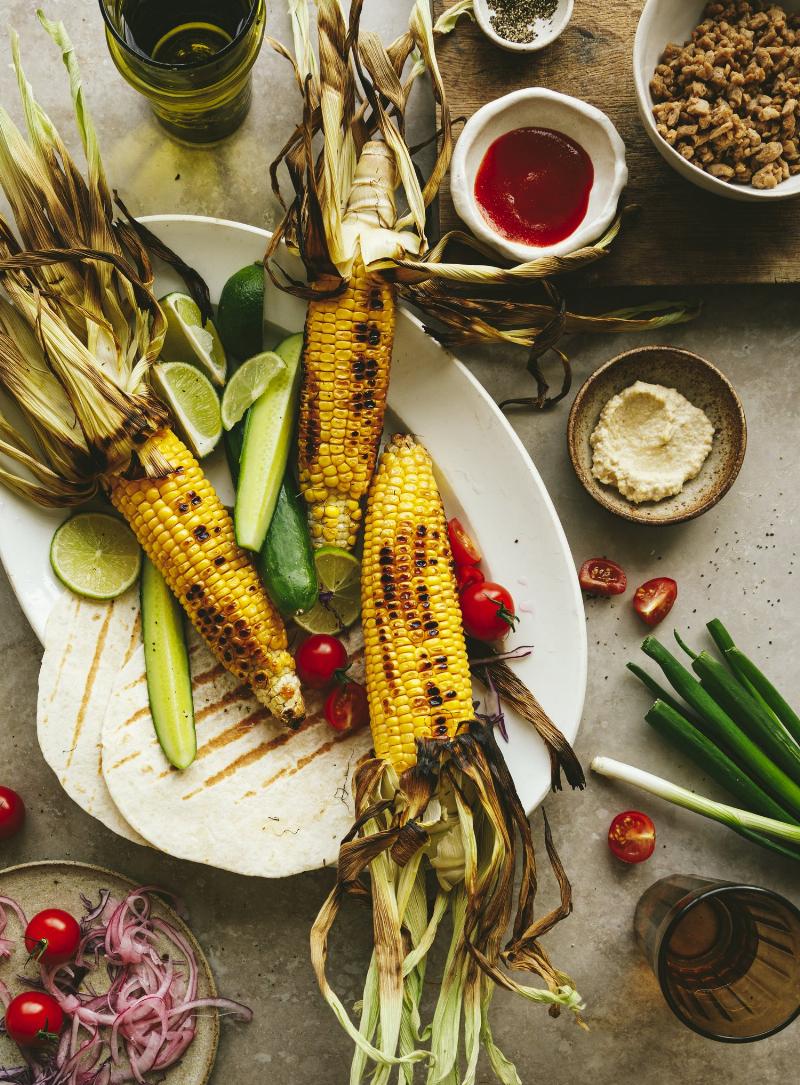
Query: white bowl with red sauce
(537,173)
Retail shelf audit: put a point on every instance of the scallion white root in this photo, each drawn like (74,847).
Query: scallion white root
(680,796)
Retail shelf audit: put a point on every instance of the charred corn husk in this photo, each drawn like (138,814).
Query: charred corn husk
(79,330)
(418,677)
(188,534)
(346,359)
(435,803)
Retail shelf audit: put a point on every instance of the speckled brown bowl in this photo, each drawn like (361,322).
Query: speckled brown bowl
(705,387)
(59,884)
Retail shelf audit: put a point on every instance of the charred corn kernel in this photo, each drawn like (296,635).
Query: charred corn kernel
(346,360)
(417,671)
(187,533)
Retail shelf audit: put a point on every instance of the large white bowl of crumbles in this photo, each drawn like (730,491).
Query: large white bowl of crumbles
(718,90)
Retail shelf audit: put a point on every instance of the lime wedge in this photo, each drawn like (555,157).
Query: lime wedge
(187,340)
(248,384)
(191,397)
(339,575)
(95,555)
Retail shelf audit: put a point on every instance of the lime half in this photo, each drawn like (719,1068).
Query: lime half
(95,555)
(248,384)
(188,340)
(240,313)
(339,575)
(191,397)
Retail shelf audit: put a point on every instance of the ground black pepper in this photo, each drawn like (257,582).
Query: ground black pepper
(515,20)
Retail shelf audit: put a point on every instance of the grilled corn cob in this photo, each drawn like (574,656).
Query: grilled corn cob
(187,533)
(417,671)
(347,354)
(346,360)
(437,797)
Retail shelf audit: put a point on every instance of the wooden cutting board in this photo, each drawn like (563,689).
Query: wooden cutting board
(682,235)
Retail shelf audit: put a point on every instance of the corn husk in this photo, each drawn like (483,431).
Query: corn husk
(360,92)
(79,327)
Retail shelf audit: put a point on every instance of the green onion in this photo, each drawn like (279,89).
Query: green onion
(771,736)
(679,796)
(724,731)
(725,644)
(788,851)
(746,669)
(676,729)
(659,692)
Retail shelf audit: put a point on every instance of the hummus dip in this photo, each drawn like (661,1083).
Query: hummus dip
(649,441)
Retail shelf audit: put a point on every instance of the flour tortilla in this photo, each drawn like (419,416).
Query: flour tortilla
(87,643)
(259,799)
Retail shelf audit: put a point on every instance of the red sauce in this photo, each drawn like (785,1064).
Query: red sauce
(533,185)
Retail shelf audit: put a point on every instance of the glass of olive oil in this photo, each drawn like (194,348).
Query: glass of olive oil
(727,956)
(191,59)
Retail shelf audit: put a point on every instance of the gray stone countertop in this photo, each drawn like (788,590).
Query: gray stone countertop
(739,561)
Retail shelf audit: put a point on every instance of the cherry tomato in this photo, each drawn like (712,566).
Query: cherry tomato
(347,708)
(318,659)
(52,936)
(488,611)
(468,574)
(654,600)
(632,837)
(599,576)
(12,813)
(464,548)
(34,1019)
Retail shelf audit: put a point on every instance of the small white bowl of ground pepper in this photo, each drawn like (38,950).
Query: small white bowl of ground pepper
(523,26)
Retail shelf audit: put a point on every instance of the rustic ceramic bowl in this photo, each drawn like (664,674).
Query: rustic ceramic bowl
(547,30)
(60,883)
(535,107)
(705,387)
(661,22)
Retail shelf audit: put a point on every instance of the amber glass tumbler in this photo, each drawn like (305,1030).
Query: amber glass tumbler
(727,956)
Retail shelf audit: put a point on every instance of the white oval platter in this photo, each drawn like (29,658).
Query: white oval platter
(486,475)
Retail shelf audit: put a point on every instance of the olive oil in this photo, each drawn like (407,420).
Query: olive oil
(190,58)
(182,31)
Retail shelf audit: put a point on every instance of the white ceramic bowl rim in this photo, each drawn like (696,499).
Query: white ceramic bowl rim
(642,74)
(462,186)
(560,20)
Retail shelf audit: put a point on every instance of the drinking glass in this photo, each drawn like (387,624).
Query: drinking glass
(727,956)
(191,59)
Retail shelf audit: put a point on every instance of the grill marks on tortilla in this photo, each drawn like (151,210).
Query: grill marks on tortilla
(251,756)
(87,693)
(292,770)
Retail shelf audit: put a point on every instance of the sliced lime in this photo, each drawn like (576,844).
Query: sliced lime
(191,397)
(339,575)
(95,555)
(248,384)
(188,340)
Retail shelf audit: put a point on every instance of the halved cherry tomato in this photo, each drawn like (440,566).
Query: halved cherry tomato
(654,600)
(52,936)
(12,813)
(468,574)
(34,1019)
(464,548)
(599,576)
(347,707)
(632,836)
(488,611)
(319,658)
